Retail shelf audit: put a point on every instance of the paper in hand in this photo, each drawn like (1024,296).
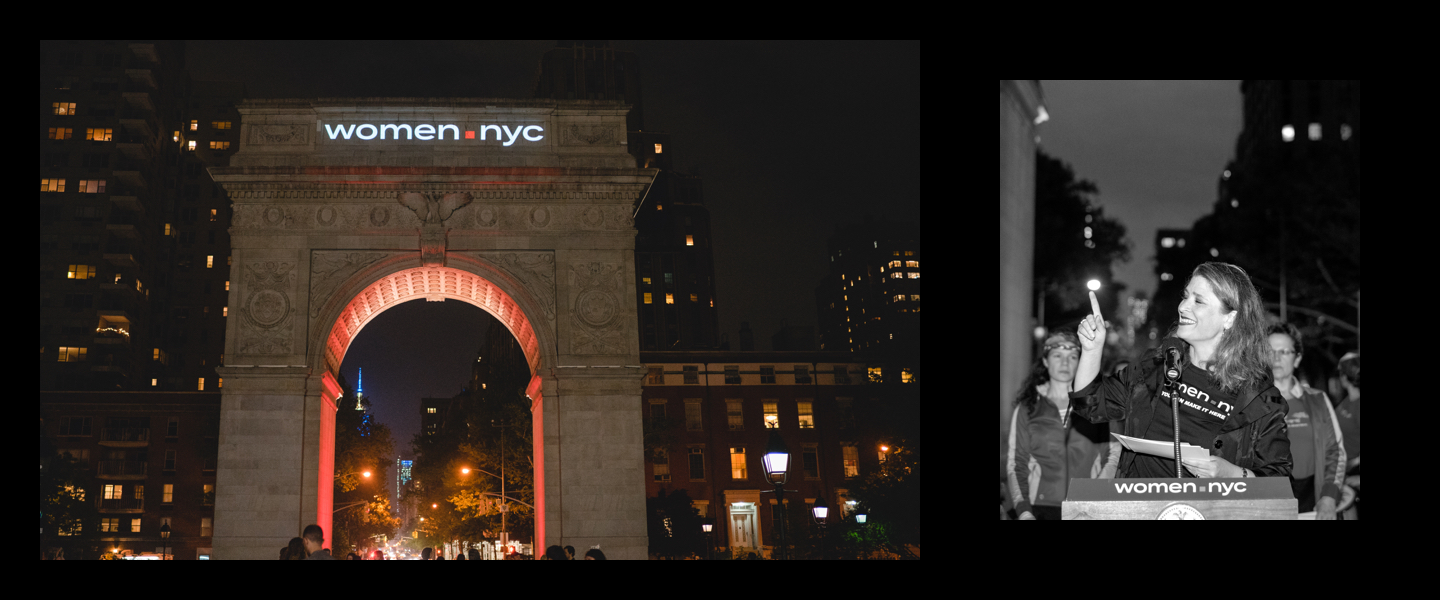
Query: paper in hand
(1162,449)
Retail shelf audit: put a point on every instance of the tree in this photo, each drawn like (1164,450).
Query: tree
(673,525)
(361,444)
(890,498)
(1065,259)
(64,505)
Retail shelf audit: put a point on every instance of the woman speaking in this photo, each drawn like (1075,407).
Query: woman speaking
(1227,402)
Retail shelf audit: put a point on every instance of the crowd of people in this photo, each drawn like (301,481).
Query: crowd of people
(1245,401)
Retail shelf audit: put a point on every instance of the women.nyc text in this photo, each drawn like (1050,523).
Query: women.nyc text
(425,131)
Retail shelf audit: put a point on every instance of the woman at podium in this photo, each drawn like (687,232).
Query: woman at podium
(1221,379)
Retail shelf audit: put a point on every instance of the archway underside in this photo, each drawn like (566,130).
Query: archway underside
(434,284)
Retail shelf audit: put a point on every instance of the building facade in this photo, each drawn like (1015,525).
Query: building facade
(713,412)
(151,457)
(870,300)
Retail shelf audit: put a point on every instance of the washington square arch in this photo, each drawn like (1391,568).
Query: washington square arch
(346,207)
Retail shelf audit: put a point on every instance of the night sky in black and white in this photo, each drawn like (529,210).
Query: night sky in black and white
(792,139)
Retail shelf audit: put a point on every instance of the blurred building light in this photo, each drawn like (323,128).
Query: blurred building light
(1165,277)
(1041,118)
(1214,252)
(1180,242)
(1093,284)
(1227,174)
(1167,242)
(1344,132)
(1287,133)
(1234,203)
(1088,218)
(1089,244)
(1087,233)
(1314,132)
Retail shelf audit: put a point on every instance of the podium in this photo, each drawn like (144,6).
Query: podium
(1180,499)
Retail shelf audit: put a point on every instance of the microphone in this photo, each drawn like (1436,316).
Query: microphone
(1172,377)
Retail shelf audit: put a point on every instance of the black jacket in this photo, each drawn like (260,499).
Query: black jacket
(1254,437)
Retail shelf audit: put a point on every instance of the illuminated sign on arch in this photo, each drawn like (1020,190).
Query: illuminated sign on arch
(429,131)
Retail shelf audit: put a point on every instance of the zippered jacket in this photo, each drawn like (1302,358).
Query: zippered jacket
(1043,454)
(1254,437)
(1330,459)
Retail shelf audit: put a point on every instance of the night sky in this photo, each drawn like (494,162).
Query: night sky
(1155,149)
(792,138)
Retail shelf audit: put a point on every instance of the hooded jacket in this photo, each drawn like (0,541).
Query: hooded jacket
(1254,437)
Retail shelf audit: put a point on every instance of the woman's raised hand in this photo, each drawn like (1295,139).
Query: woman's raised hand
(1092,328)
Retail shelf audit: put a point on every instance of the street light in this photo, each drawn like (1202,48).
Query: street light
(709,546)
(777,462)
(821,510)
(165,537)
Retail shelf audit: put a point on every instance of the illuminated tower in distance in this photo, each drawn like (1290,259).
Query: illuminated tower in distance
(360,390)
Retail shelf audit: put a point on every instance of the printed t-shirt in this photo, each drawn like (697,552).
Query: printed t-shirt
(1203,409)
(1302,439)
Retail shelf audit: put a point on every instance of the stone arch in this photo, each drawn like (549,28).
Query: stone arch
(387,283)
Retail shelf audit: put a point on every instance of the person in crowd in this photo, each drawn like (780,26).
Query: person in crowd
(296,550)
(594,553)
(459,556)
(351,556)
(1227,399)
(1316,445)
(1046,448)
(555,553)
(284,553)
(314,538)
(427,553)
(570,552)
(1347,412)
(474,554)
(379,555)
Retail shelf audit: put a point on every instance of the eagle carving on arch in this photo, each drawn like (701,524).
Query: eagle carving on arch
(432,211)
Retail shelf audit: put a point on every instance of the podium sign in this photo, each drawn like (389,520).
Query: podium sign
(1180,499)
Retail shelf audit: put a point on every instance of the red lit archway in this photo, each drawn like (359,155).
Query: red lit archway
(389,283)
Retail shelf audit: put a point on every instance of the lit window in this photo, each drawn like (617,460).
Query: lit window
(207,527)
(227,285)
(219,145)
(737,463)
(807,419)
(735,413)
(1314,131)
(224,311)
(894,264)
(1287,133)
(689,240)
(92,186)
(906,376)
(154,382)
(212,214)
(169,495)
(912,275)
(896,275)
(167,229)
(915,297)
(194,126)
(430,410)
(219,124)
(219,382)
(81,272)
(210,261)
(134,525)
(71,354)
(1344,132)
(900,298)
(201,385)
(61,133)
(647,297)
(772,417)
(915,264)
(64,108)
(112,492)
(191,145)
(659,207)
(852,461)
(909,253)
(694,298)
(657,148)
(669,298)
(177,135)
(645,280)
(98,135)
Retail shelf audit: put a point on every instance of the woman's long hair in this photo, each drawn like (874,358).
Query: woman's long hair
(1241,356)
(1039,375)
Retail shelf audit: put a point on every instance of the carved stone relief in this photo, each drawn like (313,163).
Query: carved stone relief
(267,314)
(588,135)
(595,308)
(287,134)
(534,270)
(328,269)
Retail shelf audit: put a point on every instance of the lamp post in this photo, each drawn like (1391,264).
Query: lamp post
(504,535)
(165,538)
(777,464)
(821,510)
(709,547)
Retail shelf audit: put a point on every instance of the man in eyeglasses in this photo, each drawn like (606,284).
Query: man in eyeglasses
(1315,439)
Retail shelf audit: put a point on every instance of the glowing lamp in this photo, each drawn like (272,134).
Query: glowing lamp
(1094,285)
(777,458)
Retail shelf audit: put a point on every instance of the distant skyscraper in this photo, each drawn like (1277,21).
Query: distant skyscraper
(870,300)
(360,389)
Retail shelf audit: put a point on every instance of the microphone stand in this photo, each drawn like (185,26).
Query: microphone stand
(1172,377)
